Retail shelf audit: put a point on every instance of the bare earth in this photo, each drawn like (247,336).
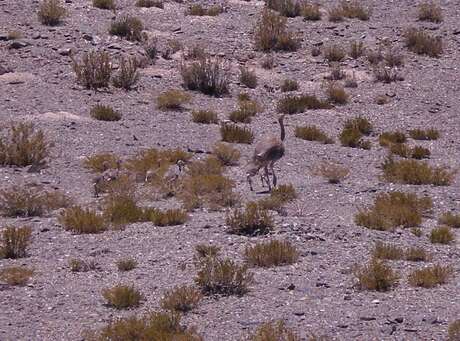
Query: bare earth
(59,305)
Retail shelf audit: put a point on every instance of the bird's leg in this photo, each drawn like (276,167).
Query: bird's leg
(262,179)
(268,178)
(275,180)
(248,178)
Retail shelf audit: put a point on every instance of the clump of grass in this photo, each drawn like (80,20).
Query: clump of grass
(206,250)
(16,275)
(217,276)
(292,104)
(24,145)
(205,117)
(417,254)
(382,99)
(99,162)
(254,220)
(416,173)
(279,196)
(424,134)
(376,275)
(393,58)
(357,49)
(51,12)
(226,154)
(416,231)
(312,133)
(419,153)
(387,75)
(454,331)
(94,70)
(429,11)
(170,217)
(126,264)
(394,209)
(122,209)
(336,72)
(149,3)
(423,43)
(199,10)
(335,14)
(310,12)
(271,33)
(172,99)
(353,131)
(334,53)
(181,299)
(104,113)
(442,235)
(387,251)
(289,85)
(248,78)
(104,4)
(82,220)
(233,133)
(123,297)
(361,124)
(450,219)
(268,62)
(247,109)
(207,75)
(127,27)
(374,56)
(287,8)
(15,241)
(272,253)
(276,330)
(333,172)
(336,93)
(77,265)
(127,75)
(430,276)
(354,10)
(388,138)
(30,201)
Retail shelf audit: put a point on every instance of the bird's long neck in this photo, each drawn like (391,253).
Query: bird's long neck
(283,132)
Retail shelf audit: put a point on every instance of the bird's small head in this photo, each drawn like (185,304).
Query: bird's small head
(281,118)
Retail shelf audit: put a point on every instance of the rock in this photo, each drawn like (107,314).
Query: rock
(291,286)
(399,319)
(4,37)
(3,70)
(299,313)
(18,44)
(17,77)
(65,51)
(115,46)
(367,318)
(456,32)
(87,37)
(36,35)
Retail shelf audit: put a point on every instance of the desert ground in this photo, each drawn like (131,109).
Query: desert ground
(319,293)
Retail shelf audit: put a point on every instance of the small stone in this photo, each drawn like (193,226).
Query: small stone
(399,319)
(36,35)
(115,46)
(299,313)
(375,301)
(367,318)
(18,44)
(65,51)
(291,286)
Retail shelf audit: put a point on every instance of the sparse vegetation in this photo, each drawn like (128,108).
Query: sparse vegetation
(310,12)
(104,4)
(429,11)
(82,220)
(376,275)
(181,299)
(430,276)
(99,162)
(104,113)
(272,253)
(15,241)
(442,235)
(357,49)
(336,93)
(394,209)
(293,104)
(421,134)
(387,74)
(127,75)
(226,154)
(94,70)
(417,254)
(393,58)
(150,3)
(172,99)
(334,53)
(248,78)
(279,196)
(312,133)
(289,85)
(421,42)
(170,217)
(388,138)
(128,27)
(199,10)
(387,251)
(354,10)
(122,297)
(77,265)
(126,264)
(353,131)
(254,220)
(274,331)
(334,173)
(16,275)
(232,133)
(204,117)
(450,219)
(51,12)
(287,8)
(454,331)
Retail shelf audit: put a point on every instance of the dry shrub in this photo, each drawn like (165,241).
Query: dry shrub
(333,172)
(450,219)
(247,109)
(149,3)
(126,264)
(454,331)
(104,4)
(205,250)
(393,58)
(279,196)
(51,12)
(287,8)
(387,251)
(416,173)
(127,27)
(429,11)
(394,209)
(172,99)
(442,235)
(374,56)
(376,275)
(122,297)
(292,104)
(272,253)
(154,326)
(16,275)
(30,201)
(334,53)
(335,14)
(104,113)
(23,145)
(82,220)
(310,12)
(226,154)
(98,163)
(389,137)
(289,85)
(199,10)
(195,52)
(430,276)
(248,78)
(94,70)
(217,276)
(122,209)
(382,99)
(336,93)
(312,133)
(181,299)
(353,131)
(423,43)
(274,331)
(77,265)
(419,153)
(416,231)
(170,217)
(417,254)
(172,46)
(150,47)
(387,75)
(15,241)
(232,133)
(336,72)
(268,62)
(207,75)
(252,221)
(270,33)
(424,134)
(357,49)
(205,117)
(354,10)
(127,75)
